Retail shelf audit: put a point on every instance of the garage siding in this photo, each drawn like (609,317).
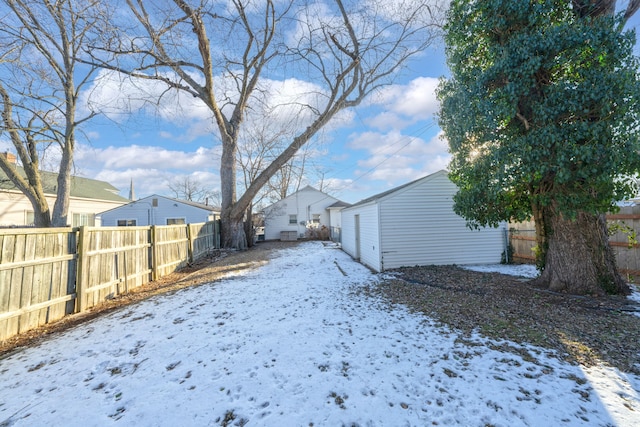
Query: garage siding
(369,234)
(418,227)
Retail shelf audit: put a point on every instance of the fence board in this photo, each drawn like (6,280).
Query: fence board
(15,291)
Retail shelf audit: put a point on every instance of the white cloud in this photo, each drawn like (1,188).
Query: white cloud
(150,168)
(406,104)
(136,156)
(396,158)
(92,135)
(120,97)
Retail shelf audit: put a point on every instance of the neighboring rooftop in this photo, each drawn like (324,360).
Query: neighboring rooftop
(85,188)
(339,204)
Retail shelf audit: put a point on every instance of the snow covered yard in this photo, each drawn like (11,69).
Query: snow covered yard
(293,344)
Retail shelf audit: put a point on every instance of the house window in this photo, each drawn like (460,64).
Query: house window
(176,221)
(126,223)
(316,219)
(29,218)
(293,219)
(80,219)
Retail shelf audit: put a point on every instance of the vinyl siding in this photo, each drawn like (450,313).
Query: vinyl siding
(416,225)
(304,204)
(419,227)
(369,234)
(146,214)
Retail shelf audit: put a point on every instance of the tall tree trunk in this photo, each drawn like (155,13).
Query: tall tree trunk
(233,235)
(41,213)
(60,217)
(579,259)
(248,225)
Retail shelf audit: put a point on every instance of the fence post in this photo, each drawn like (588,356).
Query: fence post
(507,243)
(217,232)
(191,241)
(154,254)
(81,273)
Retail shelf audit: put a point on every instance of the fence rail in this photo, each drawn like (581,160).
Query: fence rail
(46,274)
(522,238)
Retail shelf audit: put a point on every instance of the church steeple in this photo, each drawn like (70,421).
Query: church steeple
(132,193)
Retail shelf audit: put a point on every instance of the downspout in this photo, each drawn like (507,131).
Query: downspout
(380,251)
(506,243)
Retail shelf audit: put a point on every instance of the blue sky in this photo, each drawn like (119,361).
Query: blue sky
(391,139)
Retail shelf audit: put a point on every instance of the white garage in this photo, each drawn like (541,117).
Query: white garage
(415,224)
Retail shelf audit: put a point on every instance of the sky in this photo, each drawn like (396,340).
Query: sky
(274,345)
(391,139)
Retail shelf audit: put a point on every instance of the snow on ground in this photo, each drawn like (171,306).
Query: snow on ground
(523,270)
(290,344)
(635,294)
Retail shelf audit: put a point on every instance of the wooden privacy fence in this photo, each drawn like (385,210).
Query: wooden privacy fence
(522,238)
(46,274)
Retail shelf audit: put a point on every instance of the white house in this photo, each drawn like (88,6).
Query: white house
(87,198)
(307,207)
(159,210)
(415,224)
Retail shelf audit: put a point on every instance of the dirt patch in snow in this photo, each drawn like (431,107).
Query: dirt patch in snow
(580,329)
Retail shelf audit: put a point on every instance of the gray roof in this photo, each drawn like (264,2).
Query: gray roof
(84,188)
(156,196)
(194,204)
(339,204)
(393,190)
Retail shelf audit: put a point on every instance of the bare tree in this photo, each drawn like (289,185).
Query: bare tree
(347,49)
(194,190)
(256,148)
(40,84)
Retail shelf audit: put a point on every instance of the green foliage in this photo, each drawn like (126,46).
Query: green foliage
(622,227)
(541,109)
(537,252)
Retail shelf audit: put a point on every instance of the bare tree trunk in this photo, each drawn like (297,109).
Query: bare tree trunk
(579,259)
(248,225)
(233,233)
(232,221)
(60,217)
